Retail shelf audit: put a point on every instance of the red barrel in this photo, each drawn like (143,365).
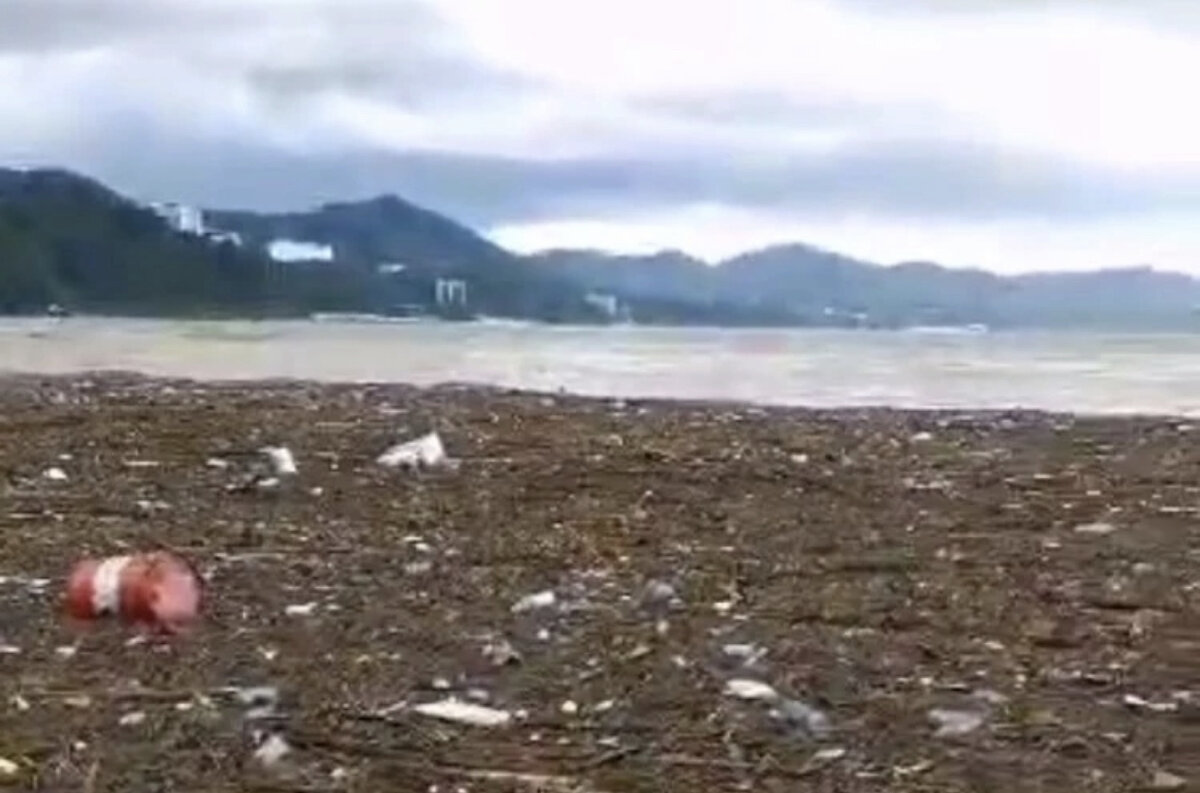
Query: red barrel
(157,589)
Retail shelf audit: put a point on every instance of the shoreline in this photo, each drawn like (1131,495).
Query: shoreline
(10,379)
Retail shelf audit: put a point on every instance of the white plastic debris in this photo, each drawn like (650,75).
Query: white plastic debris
(501,653)
(803,717)
(954,723)
(1097,529)
(465,713)
(8,768)
(750,690)
(829,755)
(272,750)
(216,462)
(569,708)
(300,609)
(55,474)
(9,649)
(536,601)
(748,654)
(1141,703)
(922,437)
(426,451)
(283,463)
(132,719)
(1165,780)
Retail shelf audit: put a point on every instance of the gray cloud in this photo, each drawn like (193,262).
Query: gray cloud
(401,54)
(897,179)
(1159,13)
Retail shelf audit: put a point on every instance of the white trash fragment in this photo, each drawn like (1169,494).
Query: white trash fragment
(989,696)
(750,690)
(538,600)
(66,651)
(465,713)
(803,717)
(132,719)
(501,653)
(748,654)
(1165,780)
(300,609)
(9,649)
(216,462)
(283,463)
(272,750)
(55,474)
(829,755)
(1140,703)
(8,768)
(954,723)
(19,703)
(426,451)
(1097,529)
(569,708)
(922,437)
(257,696)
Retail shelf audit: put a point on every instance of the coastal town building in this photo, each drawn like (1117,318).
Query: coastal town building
(450,292)
(181,217)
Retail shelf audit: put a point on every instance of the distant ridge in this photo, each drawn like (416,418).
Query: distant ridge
(69,240)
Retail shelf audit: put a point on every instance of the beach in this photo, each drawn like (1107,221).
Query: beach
(927,600)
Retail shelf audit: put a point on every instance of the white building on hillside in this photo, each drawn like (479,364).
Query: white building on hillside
(282,250)
(604,302)
(181,217)
(450,292)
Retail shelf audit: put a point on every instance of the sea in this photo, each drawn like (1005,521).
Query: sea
(950,368)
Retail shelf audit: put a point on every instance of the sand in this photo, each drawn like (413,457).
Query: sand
(936,601)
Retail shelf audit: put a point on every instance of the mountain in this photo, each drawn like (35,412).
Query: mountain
(799,284)
(66,239)
(69,240)
(388,230)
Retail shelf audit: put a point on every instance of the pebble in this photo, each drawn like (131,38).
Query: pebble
(132,719)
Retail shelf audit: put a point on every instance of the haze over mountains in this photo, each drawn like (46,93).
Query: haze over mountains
(69,240)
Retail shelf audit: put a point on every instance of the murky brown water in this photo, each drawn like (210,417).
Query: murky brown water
(1079,372)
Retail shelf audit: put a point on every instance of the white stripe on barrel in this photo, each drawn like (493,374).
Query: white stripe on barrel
(106,585)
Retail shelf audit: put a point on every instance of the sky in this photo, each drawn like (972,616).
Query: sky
(1013,135)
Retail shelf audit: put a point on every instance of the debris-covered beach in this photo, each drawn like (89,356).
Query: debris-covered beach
(597,595)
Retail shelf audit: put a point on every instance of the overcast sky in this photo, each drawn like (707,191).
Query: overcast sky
(1009,134)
